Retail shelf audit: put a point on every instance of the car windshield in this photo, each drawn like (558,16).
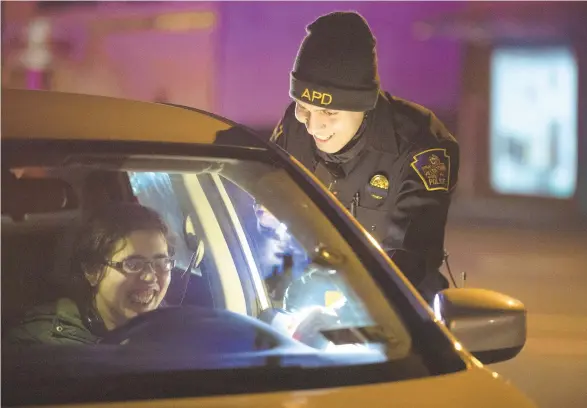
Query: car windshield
(261,280)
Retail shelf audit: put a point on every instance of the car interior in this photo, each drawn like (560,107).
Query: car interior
(39,217)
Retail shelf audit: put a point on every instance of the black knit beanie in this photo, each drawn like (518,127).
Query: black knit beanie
(336,65)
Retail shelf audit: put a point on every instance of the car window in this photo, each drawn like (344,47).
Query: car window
(266,257)
(254,259)
(277,284)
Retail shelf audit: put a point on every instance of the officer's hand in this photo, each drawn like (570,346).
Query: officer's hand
(312,323)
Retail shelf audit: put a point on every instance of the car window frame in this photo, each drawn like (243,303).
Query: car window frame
(256,293)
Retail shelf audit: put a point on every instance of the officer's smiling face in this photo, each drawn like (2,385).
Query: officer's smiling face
(331,129)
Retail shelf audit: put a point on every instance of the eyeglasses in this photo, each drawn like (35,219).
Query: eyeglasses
(138,265)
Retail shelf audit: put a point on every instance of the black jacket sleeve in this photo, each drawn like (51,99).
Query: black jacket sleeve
(418,215)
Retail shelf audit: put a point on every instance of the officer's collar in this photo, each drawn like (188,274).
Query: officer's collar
(377,130)
(352,149)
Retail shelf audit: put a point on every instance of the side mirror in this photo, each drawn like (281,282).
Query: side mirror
(491,325)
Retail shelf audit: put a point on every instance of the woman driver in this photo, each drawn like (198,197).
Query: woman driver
(122,266)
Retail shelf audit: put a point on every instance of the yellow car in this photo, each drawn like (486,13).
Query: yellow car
(227,335)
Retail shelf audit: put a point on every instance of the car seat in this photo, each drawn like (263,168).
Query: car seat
(35,214)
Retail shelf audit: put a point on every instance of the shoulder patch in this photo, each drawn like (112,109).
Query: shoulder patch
(433,167)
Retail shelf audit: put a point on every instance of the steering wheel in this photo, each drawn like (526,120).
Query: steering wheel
(205,329)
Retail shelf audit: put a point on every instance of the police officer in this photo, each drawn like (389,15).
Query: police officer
(391,162)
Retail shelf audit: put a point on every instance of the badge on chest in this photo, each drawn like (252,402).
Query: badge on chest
(378,187)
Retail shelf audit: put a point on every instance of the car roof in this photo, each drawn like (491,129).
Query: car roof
(50,115)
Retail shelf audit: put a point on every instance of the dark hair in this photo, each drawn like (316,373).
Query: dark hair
(101,230)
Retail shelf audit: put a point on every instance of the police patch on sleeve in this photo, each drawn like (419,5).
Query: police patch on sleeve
(433,167)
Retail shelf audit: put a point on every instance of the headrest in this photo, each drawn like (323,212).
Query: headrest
(35,196)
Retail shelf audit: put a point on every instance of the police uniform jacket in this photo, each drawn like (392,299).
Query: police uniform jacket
(396,176)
